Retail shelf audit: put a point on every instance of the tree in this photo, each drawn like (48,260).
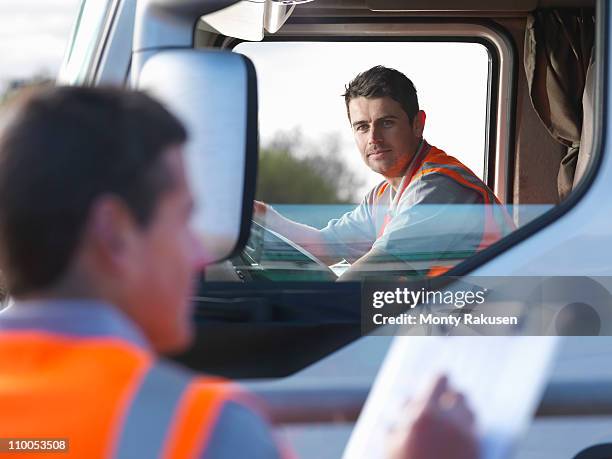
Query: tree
(18,86)
(293,171)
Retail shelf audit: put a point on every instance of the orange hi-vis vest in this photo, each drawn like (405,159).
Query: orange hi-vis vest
(432,160)
(105,396)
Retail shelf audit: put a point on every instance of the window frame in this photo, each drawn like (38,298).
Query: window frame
(91,61)
(502,78)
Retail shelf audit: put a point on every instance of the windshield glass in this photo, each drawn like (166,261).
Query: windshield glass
(85,37)
(329,178)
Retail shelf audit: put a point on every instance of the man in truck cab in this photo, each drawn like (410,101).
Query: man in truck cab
(413,211)
(98,255)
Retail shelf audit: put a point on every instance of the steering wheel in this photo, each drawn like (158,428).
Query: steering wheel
(268,255)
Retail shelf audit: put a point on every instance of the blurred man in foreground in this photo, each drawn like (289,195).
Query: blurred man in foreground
(96,251)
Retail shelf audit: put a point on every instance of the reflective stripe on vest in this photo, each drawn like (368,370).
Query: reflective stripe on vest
(492,232)
(151,412)
(172,415)
(438,162)
(196,416)
(107,396)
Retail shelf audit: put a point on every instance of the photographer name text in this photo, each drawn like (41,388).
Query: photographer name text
(448,320)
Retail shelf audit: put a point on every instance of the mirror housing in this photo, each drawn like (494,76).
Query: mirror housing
(214,94)
(247,19)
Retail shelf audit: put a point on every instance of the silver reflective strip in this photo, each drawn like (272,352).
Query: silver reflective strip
(152,410)
(497,211)
(474,180)
(460,170)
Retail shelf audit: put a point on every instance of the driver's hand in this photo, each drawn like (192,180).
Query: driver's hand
(439,425)
(259,211)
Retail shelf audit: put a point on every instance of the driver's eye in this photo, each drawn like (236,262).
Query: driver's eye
(362,128)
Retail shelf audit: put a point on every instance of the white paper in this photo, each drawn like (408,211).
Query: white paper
(502,377)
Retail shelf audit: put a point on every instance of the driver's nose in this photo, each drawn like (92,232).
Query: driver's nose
(375,137)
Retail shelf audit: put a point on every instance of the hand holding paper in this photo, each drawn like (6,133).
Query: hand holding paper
(438,424)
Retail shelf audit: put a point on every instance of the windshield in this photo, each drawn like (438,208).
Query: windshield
(84,40)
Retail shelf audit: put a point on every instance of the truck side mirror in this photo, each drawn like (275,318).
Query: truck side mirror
(214,93)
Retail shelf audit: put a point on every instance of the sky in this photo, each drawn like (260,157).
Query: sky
(33,36)
(299,83)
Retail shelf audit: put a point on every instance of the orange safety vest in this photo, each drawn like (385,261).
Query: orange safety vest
(436,161)
(107,397)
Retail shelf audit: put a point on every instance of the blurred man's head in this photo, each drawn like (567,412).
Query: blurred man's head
(383,110)
(94,203)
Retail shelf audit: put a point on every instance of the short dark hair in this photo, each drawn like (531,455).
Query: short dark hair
(382,81)
(60,149)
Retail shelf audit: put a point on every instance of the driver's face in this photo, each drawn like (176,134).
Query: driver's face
(384,135)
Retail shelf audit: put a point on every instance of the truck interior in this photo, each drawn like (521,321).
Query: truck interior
(538,145)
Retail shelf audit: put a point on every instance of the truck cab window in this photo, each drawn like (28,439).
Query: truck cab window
(373,159)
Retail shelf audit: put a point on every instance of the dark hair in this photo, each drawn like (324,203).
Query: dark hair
(60,149)
(382,81)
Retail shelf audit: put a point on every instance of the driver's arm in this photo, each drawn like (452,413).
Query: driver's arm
(308,237)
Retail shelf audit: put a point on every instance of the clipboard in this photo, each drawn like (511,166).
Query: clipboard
(502,378)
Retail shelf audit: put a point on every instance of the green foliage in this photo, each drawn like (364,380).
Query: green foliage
(294,172)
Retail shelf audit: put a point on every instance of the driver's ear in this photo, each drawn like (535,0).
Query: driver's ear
(418,123)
